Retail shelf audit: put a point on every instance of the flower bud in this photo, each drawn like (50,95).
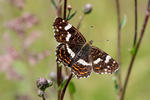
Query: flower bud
(42,83)
(50,82)
(40,93)
(87,8)
(69,7)
(53,76)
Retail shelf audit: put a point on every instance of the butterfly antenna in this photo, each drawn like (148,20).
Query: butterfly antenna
(101,41)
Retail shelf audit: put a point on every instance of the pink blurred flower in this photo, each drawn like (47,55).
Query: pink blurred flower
(6,61)
(42,55)
(30,39)
(35,58)
(13,53)
(21,23)
(32,60)
(18,3)
(29,19)
(16,25)
(13,75)
(22,97)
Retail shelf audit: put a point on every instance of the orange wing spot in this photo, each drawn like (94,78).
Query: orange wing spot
(67,61)
(75,68)
(97,68)
(60,38)
(83,73)
(67,57)
(79,67)
(60,54)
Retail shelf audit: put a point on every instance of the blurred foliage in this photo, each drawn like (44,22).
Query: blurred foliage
(19,78)
(123,22)
(72,88)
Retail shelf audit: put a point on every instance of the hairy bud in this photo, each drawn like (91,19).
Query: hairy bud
(87,8)
(42,83)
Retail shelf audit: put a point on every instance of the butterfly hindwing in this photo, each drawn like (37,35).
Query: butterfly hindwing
(66,33)
(102,63)
(63,55)
(82,66)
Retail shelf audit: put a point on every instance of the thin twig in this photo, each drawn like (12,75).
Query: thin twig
(65,87)
(65,8)
(59,8)
(118,43)
(137,48)
(43,97)
(136,23)
(59,79)
(59,69)
(81,19)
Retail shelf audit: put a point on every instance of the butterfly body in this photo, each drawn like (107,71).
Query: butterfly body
(74,52)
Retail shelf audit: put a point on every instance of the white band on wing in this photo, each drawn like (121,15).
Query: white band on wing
(81,61)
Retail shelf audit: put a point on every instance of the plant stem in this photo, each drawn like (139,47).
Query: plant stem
(43,97)
(65,87)
(136,23)
(118,43)
(65,8)
(81,19)
(59,8)
(137,48)
(59,69)
(59,79)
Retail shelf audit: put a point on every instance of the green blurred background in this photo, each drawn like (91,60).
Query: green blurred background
(104,20)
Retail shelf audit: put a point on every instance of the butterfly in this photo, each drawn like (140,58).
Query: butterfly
(74,52)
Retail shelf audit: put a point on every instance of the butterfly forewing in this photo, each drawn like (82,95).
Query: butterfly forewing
(102,63)
(66,33)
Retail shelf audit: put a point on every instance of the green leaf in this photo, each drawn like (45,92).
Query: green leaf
(69,11)
(71,87)
(62,84)
(133,50)
(116,85)
(54,3)
(123,22)
(70,17)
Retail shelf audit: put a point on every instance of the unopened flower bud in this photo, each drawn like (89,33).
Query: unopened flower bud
(40,93)
(50,82)
(69,7)
(87,8)
(53,76)
(42,84)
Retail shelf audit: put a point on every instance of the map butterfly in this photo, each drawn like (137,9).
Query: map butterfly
(79,55)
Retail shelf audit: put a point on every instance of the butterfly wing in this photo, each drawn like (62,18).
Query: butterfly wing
(66,33)
(102,63)
(63,55)
(70,38)
(83,66)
